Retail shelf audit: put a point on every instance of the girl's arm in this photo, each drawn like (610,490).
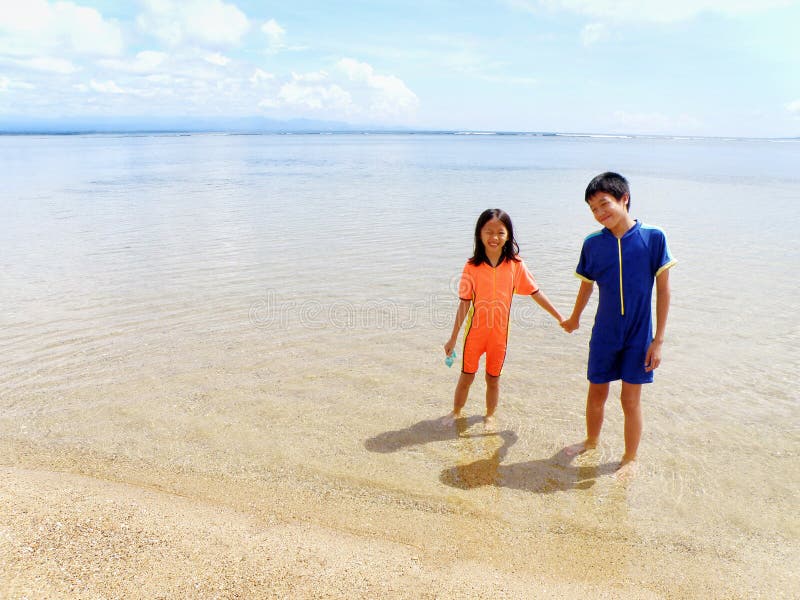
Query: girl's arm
(543,301)
(461,314)
(584,293)
(653,359)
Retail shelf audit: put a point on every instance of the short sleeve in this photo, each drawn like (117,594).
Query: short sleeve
(524,283)
(466,286)
(662,257)
(584,270)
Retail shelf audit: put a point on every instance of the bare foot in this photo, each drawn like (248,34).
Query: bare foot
(489,423)
(627,469)
(580,448)
(449,420)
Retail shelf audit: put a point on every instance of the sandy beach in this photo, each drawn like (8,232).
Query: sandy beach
(76,536)
(82,537)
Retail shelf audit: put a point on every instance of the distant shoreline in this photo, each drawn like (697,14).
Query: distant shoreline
(352,132)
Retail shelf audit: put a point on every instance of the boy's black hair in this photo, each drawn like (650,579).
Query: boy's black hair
(609,183)
(510,248)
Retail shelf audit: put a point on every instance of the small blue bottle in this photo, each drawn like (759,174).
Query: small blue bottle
(449,360)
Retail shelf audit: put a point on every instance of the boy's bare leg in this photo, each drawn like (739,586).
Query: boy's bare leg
(595,411)
(459,397)
(631,407)
(492,398)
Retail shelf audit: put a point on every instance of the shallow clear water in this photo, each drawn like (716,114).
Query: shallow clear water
(230,306)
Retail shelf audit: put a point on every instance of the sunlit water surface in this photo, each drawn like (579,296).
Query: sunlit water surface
(245,309)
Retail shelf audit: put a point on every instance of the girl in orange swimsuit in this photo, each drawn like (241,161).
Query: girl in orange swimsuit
(489,280)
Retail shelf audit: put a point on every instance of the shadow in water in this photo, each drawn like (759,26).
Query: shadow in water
(543,476)
(485,471)
(423,432)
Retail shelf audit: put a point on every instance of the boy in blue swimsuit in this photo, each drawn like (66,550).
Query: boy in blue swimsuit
(623,259)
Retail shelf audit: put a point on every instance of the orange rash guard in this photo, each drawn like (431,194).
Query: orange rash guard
(490,289)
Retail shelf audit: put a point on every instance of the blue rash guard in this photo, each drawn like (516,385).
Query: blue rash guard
(624,269)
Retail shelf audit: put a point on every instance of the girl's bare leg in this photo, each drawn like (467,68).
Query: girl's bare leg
(492,398)
(459,397)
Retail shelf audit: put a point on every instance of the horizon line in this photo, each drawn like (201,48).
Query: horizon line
(352,130)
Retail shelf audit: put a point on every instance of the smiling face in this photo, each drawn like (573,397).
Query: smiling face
(494,236)
(610,212)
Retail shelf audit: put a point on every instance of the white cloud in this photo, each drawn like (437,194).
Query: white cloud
(356,71)
(10,85)
(314,77)
(794,108)
(145,61)
(189,42)
(112,88)
(387,95)
(301,94)
(148,60)
(48,65)
(274,31)
(276,38)
(352,91)
(109,87)
(205,22)
(593,33)
(655,12)
(260,76)
(275,34)
(162,79)
(7,85)
(217,59)
(37,27)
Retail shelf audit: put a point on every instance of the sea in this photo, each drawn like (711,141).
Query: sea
(206,312)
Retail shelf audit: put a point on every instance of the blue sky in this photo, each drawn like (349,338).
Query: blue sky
(677,67)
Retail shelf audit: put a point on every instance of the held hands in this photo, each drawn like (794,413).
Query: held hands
(570,325)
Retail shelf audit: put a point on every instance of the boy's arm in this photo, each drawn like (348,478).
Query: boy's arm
(582,299)
(461,314)
(653,358)
(543,301)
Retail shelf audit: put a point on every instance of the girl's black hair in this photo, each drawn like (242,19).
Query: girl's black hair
(510,248)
